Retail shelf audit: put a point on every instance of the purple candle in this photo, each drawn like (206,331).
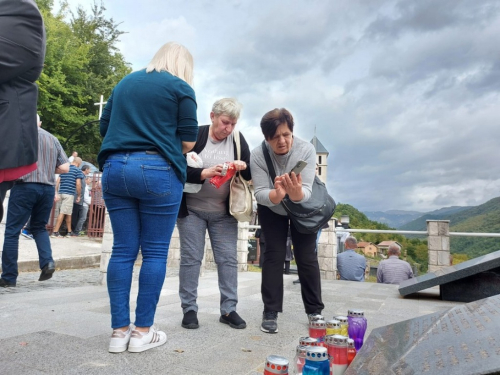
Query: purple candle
(357,327)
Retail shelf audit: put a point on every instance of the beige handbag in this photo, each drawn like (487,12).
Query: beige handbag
(240,195)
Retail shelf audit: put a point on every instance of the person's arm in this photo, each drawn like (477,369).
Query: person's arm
(410,272)
(62,164)
(78,189)
(86,196)
(56,196)
(105,116)
(63,168)
(380,274)
(245,156)
(187,124)
(187,146)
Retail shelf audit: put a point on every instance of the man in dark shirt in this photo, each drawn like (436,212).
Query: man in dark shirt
(33,195)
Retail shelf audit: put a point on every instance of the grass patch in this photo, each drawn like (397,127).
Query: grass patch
(253,268)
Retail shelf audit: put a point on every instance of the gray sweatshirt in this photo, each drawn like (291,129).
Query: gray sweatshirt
(301,150)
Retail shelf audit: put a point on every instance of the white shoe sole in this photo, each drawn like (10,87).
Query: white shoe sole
(117,349)
(268,330)
(142,348)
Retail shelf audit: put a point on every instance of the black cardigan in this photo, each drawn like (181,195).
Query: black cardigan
(194,174)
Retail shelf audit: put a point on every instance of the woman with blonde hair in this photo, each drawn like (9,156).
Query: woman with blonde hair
(148,123)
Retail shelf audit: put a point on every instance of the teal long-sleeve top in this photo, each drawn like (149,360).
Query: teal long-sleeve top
(150,111)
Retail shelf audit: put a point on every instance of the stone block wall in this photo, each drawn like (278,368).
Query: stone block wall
(327,251)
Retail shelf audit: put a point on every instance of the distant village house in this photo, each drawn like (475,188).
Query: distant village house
(368,249)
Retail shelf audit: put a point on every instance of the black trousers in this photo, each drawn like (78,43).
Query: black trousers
(276,228)
(75,215)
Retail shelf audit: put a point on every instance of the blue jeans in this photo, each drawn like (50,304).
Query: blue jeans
(27,199)
(142,195)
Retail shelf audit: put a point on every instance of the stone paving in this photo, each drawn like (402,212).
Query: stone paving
(62,326)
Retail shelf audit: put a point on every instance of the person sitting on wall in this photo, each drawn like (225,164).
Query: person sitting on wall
(393,270)
(351,265)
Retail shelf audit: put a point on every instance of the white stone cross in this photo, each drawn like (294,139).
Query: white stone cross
(100,104)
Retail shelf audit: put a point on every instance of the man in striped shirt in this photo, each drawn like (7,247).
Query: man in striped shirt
(68,190)
(33,195)
(393,270)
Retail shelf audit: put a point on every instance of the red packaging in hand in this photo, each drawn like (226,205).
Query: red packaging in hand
(218,181)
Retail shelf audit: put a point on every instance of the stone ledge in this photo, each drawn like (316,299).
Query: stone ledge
(89,261)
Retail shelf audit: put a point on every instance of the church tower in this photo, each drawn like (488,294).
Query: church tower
(321,158)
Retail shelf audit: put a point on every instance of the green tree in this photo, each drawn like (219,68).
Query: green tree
(81,63)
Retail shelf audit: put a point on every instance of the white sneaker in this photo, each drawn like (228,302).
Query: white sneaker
(140,341)
(119,340)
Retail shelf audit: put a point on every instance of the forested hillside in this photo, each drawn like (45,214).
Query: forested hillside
(484,218)
(481,219)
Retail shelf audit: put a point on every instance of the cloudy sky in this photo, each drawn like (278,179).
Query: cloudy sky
(403,94)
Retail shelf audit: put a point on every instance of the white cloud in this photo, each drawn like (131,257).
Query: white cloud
(404,95)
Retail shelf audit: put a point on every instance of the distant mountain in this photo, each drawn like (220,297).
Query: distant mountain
(393,218)
(441,214)
(484,218)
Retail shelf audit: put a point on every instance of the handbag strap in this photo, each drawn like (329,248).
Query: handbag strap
(270,166)
(236,134)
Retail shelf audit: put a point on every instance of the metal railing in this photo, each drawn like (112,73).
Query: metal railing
(465,234)
(97,209)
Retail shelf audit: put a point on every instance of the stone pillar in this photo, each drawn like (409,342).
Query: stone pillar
(242,246)
(106,248)
(174,250)
(327,252)
(438,243)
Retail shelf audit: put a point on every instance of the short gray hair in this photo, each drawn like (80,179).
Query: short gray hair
(394,249)
(351,241)
(175,59)
(227,106)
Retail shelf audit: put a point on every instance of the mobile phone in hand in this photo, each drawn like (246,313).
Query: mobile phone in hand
(301,164)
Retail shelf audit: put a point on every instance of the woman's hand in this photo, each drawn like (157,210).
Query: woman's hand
(292,184)
(211,172)
(240,165)
(278,193)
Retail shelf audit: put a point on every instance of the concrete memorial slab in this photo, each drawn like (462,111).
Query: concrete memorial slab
(465,282)
(462,340)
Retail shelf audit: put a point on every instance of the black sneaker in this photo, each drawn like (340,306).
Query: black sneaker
(6,284)
(74,234)
(269,322)
(234,320)
(190,320)
(56,235)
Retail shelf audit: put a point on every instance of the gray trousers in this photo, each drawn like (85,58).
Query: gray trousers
(223,233)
